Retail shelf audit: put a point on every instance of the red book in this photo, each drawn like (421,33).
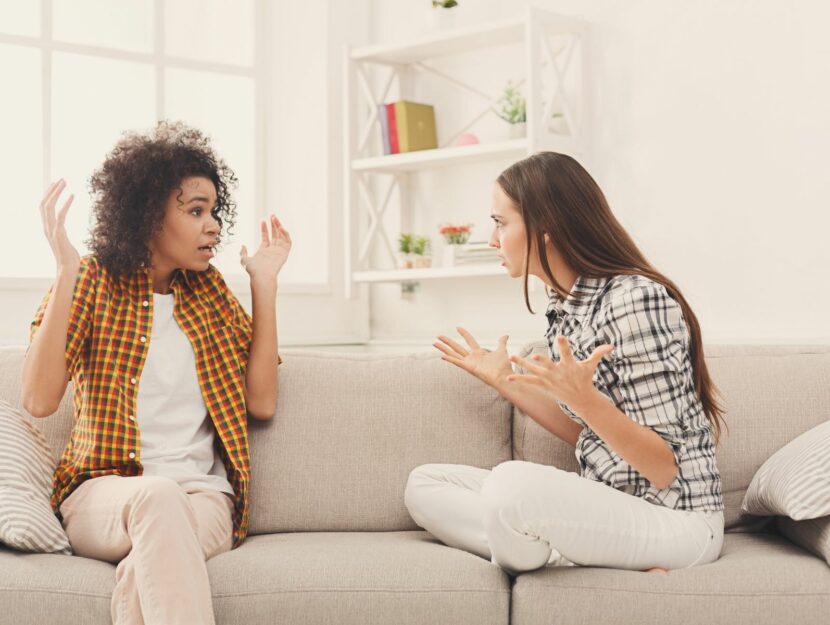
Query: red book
(393,128)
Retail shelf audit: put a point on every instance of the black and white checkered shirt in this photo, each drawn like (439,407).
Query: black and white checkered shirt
(649,378)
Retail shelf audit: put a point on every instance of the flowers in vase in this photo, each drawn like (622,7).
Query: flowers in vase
(456,234)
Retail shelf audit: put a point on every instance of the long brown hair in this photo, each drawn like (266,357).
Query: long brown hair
(557,197)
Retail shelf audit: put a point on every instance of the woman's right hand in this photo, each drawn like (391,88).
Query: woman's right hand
(54,226)
(491,367)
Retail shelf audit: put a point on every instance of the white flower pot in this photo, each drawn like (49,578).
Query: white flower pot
(440,19)
(518,131)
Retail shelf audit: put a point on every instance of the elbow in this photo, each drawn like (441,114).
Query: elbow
(666,479)
(37,409)
(261,412)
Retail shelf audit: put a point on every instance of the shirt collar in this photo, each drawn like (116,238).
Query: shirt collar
(180,276)
(581,299)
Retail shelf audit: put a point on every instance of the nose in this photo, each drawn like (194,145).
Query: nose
(494,239)
(212,225)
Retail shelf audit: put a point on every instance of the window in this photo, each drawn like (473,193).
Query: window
(80,72)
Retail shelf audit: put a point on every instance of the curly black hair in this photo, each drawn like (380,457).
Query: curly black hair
(131,188)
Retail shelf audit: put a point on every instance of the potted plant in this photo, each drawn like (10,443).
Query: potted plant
(512,108)
(420,250)
(455,235)
(442,14)
(405,260)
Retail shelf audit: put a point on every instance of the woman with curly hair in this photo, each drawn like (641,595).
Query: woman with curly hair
(166,368)
(624,383)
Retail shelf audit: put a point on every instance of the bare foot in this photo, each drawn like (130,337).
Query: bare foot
(656,569)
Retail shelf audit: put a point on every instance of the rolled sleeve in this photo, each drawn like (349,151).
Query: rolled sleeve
(646,327)
(80,314)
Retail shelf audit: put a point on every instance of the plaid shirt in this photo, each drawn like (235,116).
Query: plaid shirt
(110,321)
(649,378)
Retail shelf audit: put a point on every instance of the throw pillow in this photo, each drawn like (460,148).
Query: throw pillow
(794,481)
(27,521)
(812,534)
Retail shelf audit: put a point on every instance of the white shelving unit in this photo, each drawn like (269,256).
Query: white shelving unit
(555,48)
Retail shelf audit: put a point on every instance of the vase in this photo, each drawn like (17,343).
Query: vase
(518,130)
(422,262)
(448,256)
(438,18)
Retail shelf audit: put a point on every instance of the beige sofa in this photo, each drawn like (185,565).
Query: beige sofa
(331,541)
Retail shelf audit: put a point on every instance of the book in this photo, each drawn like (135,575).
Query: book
(384,128)
(393,128)
(415,126)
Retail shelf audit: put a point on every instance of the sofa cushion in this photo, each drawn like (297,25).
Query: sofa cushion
(758,579)
(27,521)
(812,534)
(771,394)
(356,577)
(795,480)
(350,427)
(387,577)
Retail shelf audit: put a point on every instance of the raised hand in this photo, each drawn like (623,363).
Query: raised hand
(569,380)
(54,226)
(490,367)
(272,253)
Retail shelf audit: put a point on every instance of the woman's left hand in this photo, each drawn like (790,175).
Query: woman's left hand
(570,380)
(272,253)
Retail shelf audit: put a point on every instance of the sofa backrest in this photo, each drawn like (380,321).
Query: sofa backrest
(348,430)
(771,394)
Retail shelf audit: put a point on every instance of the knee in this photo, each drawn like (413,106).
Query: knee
(505,484)
(157,491)
(420,477)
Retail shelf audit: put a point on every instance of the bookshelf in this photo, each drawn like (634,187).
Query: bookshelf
(555,57)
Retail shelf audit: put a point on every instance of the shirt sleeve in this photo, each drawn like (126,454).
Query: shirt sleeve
(646,327)
(241,322)
(80,314)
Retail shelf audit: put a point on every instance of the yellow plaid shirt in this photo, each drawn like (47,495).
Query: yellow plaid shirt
(110,321)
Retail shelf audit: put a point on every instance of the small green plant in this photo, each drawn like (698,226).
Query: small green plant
(444,4)
(405,243)
(511,106)
(420,246)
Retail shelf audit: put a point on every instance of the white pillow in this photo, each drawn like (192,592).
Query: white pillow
(812,534)
(794,481)
(27,521)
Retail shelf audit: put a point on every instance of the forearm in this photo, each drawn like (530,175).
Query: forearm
(638,445)
(45,374)
(261,379)
(542,408)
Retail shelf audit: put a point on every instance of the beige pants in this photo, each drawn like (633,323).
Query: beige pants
(160,536)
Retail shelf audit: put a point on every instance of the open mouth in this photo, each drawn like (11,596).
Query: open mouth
(208,250)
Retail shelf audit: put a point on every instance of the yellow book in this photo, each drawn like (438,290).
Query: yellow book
(415,125)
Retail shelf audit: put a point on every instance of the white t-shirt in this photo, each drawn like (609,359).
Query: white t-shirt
(176,431)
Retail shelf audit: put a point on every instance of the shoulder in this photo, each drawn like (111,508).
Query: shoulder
(637,301)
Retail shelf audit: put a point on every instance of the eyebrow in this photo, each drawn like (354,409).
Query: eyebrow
(494,216)
(198,198)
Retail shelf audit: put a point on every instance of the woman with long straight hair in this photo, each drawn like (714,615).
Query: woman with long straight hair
(626,385)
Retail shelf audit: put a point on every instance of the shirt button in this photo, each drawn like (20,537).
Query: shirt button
(143,339)
(132,455)
(145,303)
(132,417)
(132,380)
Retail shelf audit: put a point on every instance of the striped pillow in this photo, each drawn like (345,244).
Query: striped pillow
(27,521)
(794,481)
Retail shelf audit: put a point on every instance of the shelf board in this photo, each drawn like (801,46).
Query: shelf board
(446,43)
(429,273)
(456,155)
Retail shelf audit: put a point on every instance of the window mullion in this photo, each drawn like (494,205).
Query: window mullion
(46,89)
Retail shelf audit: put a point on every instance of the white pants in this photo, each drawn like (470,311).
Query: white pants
(523,516)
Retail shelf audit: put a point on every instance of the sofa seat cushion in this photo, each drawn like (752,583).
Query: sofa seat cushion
(350,577)
(356,577)
(758,579)
(37,588)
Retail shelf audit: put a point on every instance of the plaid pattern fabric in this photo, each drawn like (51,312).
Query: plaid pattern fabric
(648,376)
(110,321)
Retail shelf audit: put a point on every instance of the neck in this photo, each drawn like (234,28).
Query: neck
(161,277)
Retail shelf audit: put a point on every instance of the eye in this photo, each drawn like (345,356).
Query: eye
(197,211)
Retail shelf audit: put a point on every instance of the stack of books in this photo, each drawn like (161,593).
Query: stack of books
(407,127)
(473,252)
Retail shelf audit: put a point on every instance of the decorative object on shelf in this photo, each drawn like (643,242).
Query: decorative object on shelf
(469,253)
(512,108)
(414,251)
(407,127)
(467,138)
(441,15)
(455,234)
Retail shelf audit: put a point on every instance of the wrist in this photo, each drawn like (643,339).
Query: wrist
(587,402)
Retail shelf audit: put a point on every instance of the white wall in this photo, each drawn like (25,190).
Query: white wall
(711,141)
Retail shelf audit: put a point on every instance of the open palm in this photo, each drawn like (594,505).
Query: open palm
(272,253)
(491,367)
